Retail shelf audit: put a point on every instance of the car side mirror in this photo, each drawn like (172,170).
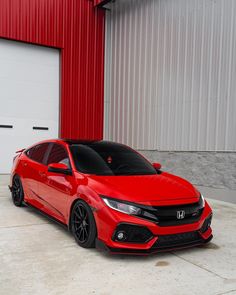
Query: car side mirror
(157,166)
(59,168)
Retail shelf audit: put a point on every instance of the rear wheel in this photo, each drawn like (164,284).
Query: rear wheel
(17,191)
(83,225)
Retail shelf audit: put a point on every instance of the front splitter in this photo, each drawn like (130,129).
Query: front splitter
(125,251)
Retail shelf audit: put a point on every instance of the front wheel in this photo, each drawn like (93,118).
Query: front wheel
(83,225)
(17,191)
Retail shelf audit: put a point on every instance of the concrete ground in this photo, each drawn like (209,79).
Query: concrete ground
(38,256)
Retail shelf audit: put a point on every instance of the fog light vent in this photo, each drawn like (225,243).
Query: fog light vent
(131,233)
(206,224)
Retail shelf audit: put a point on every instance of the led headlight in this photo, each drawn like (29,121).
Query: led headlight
(122,207)
(202,201)
(131,209)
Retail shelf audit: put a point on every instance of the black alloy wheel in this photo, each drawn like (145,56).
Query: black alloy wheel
(17,191)
(83,224)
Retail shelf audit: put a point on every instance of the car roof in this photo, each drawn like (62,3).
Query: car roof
(70,142)
(80,141)
(91,142)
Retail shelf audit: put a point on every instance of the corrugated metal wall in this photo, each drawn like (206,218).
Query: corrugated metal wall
(77,27)
(170,71)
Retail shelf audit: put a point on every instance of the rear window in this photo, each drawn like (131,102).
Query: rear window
(109,159)
(37,152)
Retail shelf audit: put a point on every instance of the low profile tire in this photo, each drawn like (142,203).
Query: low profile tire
(83,225)
(17,192)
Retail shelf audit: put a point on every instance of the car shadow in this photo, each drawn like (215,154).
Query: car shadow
(162,255)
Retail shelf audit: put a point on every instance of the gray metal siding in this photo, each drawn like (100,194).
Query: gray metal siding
(170,74)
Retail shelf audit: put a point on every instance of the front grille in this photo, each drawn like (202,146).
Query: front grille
(182,239)
(167,215)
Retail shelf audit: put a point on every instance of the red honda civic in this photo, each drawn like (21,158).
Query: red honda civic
(110,196)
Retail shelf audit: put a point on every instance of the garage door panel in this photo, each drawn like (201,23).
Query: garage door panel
(29,97)
(28,101)
(10,110)
(21,90)
(24,126)
(39,73)
(31,53)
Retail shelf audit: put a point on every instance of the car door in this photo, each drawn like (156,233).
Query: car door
(59,186)
(34,172)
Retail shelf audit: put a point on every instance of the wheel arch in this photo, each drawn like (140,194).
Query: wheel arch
(79,198)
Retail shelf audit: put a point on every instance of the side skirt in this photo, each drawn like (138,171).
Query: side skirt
(65,226)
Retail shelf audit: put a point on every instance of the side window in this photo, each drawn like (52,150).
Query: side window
(37,152)
(58,155)
(29,152)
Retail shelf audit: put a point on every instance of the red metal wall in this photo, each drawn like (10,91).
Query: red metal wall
(77,27)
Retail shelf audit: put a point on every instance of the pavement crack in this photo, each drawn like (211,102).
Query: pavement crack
(202,267)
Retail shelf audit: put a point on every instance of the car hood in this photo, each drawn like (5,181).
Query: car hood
(160,189)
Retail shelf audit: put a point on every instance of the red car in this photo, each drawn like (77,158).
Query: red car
(110,196)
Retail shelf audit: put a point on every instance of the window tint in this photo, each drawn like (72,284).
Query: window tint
(58,155)
(109,159)
(29,152)
(37,152)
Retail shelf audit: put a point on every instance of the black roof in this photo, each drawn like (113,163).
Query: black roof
(80,141)
(91,142)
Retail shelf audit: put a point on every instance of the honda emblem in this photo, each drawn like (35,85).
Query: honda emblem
(180,214)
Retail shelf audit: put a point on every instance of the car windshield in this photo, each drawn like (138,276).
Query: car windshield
(104,158)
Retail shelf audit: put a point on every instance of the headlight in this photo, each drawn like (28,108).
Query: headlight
(130,209)
(202,201)
(122,207)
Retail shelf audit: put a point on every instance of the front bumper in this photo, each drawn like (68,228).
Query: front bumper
(163,238)
(198,242)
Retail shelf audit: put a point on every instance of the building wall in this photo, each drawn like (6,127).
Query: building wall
(77,28)
(170,74)
(211,169)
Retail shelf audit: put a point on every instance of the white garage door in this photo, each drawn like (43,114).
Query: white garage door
(29,97)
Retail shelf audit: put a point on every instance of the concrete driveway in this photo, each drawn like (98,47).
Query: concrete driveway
(38,256)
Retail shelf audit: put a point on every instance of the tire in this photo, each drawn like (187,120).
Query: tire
(17,192)
(83,225)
